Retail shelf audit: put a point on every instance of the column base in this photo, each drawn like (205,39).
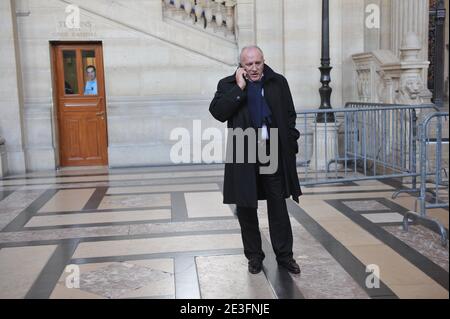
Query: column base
(325,148)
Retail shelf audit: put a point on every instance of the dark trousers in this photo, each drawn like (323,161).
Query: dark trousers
(279,223)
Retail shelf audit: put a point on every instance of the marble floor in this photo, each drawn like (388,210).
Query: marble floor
(163,233)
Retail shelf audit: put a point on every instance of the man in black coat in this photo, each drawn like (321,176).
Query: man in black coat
(256,98)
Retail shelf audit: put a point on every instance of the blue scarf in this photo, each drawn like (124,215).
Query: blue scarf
(259,110)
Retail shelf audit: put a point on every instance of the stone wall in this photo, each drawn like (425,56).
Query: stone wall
(161,75)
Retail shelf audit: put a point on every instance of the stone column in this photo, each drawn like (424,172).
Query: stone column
(11,100)
(325,148)
(270,32)
(245,23)
(372,36)
(352,42)
(410,16)
(412,89)
(385,27)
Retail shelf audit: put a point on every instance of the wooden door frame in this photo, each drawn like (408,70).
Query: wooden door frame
(55,89)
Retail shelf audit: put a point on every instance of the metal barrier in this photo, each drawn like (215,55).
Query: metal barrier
(432,176)
(369,141)
(376,141)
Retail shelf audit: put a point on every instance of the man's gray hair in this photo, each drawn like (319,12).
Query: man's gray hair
(250,47)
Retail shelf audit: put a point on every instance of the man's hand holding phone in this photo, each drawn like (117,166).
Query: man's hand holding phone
(241,76)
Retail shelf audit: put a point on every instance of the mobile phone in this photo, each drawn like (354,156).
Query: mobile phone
(244,75)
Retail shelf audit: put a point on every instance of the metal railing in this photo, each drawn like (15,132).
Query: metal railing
(433,178)
(369,141)
(365,141)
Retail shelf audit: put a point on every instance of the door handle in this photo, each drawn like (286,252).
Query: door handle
(100,113)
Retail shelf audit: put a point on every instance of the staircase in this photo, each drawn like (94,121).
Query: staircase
(176,26)
(215,17)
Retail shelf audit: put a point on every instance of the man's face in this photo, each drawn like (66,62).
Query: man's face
(252,61)
(90,74)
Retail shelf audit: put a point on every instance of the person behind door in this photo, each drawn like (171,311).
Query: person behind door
(91,84)
(252,98)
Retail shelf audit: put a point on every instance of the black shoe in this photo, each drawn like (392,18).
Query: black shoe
(291,266)
(254,266)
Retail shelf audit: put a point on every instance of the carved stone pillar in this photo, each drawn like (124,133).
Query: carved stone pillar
(245,23)
(412,89)
(410,16)
(382,77)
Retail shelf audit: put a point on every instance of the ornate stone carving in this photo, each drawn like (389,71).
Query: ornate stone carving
(212,16)
(412,89)
(382,77)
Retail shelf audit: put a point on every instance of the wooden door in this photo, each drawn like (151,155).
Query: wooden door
(81,104)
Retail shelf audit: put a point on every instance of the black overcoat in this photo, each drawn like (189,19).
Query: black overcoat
(241,186)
